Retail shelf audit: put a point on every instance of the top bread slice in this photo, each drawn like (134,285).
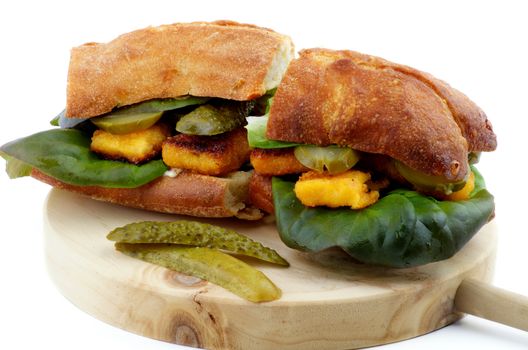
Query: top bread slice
(220,59)
(376,106)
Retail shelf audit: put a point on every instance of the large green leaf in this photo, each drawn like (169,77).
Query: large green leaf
(403,229)
(159,105)
(65,155)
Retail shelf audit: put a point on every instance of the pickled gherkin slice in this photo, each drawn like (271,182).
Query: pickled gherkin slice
(127,123)
(213,120)
(428,183)
(208,264)
(195,234)
(142,115)
(333,159)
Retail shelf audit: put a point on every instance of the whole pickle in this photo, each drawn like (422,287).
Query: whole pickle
(195,234)
(214,119)
(208,264)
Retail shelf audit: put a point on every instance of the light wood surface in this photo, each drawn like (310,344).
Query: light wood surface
(492,303)
(328,301)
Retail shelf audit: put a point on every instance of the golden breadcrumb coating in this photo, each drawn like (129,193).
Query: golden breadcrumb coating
(136,147)
(345,189)
(210,155)
(276,162)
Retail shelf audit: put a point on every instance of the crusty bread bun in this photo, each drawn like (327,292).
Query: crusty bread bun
(219,59)
(376,106)
(186,193)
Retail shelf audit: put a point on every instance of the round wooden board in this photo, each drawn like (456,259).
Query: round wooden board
(328,301)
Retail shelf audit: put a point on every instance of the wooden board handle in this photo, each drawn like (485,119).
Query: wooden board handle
(492,303)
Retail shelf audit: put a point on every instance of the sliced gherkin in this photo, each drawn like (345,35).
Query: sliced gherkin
(195,234)
(142,115)
(150,106)
(126,123)
(214,119)
(333,159)
(208,264)
(428,183)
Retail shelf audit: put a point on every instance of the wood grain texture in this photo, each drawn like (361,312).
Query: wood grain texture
(329,302)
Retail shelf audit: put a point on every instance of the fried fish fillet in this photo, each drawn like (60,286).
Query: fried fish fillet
(210,155)
(276,162)
(376,106)
(136,147)
(345,189)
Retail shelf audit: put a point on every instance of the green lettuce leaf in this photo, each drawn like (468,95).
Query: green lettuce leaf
(160,105)
(65,155)
(16,168)
(403,229)
(55,121)
(257,134)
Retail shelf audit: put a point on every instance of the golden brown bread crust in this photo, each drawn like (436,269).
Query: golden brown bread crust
(219,59)
(473,122)
(372,105)
(260,193)
(186,194)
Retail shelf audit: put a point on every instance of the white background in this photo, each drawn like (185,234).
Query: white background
(478,47)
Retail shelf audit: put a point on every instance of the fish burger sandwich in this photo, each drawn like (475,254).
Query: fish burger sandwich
(371,156)
(155,118)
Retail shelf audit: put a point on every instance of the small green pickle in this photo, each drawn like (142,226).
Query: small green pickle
(210,119)
(194,234)
(208,264)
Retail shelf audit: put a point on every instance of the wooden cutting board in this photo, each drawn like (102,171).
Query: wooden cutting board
(328,302)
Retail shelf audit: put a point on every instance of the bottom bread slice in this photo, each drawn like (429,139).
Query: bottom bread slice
(185,193)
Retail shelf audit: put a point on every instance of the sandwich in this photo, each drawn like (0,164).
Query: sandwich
(371,156)
(155,118)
